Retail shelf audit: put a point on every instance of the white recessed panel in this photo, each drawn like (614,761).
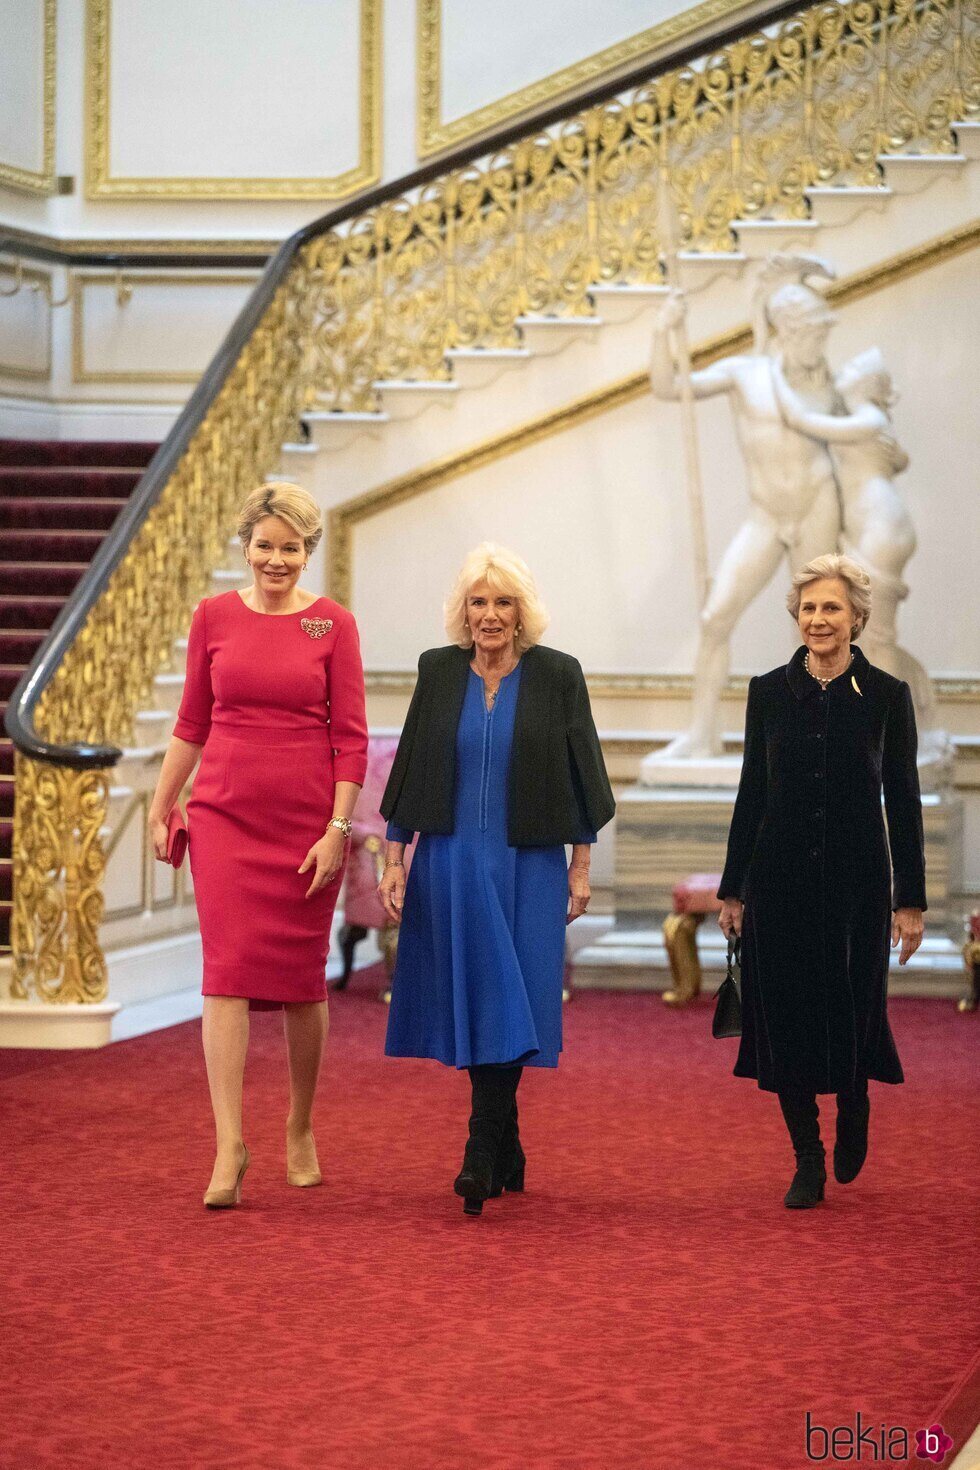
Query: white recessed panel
(25,328)
(22,84)
(489,51)
(234,88)
(167,330)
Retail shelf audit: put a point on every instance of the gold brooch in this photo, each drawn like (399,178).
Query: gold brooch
(316,627)
(855,683)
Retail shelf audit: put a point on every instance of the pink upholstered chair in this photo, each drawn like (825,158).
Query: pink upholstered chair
(363,909)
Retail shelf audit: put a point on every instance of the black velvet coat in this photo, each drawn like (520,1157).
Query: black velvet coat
(809,855)
(558,789)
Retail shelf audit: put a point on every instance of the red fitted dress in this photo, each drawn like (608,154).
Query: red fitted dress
(277,701)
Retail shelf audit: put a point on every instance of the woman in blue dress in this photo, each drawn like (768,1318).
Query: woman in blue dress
(498,769)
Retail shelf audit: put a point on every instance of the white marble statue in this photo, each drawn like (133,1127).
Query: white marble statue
(794,503)
(877,528)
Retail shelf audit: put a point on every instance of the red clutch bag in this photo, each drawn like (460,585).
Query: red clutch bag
(176,838)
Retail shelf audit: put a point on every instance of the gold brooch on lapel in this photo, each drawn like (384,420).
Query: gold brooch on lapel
(316,627)
(855,683)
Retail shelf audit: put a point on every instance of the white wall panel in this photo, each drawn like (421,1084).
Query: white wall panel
(22,84)
(489,51)
(234,88)
(167,331)
(25,326)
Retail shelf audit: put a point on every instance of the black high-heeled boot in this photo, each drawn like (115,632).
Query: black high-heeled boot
(493,1097)
(509,1165)
(803,1121)
(851,1146)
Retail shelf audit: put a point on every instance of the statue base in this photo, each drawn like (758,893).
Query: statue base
(665,832)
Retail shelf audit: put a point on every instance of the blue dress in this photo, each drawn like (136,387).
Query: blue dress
(481,950)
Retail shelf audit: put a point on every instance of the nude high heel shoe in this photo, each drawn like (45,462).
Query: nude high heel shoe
(302,1178)
(226,1199)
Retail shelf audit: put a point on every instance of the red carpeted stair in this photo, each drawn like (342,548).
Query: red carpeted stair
(57,501)
(647,1304)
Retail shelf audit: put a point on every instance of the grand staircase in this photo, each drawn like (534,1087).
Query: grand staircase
(521,270)
(57,501)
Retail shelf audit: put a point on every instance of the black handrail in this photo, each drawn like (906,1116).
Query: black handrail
(19,719)
(74,255)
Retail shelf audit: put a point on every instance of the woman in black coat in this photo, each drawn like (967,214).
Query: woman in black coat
(498,768)
(807,882)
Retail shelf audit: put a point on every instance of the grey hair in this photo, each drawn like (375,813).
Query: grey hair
(854,577)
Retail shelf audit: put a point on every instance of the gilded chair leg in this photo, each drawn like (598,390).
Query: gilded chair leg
(680,942)
(971,959)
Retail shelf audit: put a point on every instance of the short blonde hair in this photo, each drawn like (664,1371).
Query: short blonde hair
(291,503)
(854,577)
(504,572)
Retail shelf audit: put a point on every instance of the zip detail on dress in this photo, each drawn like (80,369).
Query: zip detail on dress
(485,772)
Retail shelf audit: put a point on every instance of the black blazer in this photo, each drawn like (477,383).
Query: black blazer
(558,788)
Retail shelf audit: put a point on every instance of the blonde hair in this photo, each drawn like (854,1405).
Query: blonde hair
(505,573)
(291,503)
(854,577)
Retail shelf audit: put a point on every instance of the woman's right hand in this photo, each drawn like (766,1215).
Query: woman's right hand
(159,836)
(391,890)
(730,918)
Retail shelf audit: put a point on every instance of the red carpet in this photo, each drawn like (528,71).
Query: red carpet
(647,1303)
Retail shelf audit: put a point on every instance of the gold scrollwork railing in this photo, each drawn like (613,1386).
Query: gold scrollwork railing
(742,134)
(108,671)
(447,260)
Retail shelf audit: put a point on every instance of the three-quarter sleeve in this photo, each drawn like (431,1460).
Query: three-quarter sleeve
(750,803)
(348,716)
(903,804)
(395,833)
(590,780)
(194,717)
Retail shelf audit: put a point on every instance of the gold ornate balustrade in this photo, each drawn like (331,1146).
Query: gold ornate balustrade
(741,134)
(107,673)
(384,293)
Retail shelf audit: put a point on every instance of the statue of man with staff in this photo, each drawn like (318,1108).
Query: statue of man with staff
(794,502)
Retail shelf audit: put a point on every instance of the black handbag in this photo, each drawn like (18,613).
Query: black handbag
(727,1019)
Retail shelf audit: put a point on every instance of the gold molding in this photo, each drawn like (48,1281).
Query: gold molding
(261,249)
(434,134)
(34,375)
(101,184)
(950,688)
(345,516)
(42,181)
(80,279)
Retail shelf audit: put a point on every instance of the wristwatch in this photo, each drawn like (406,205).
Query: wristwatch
(343,823)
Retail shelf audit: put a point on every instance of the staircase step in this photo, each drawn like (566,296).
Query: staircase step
(44,483)
(41,579)
(6,879)
(76,452)
(29,612)
(6,810)
(61,515)
(6,836)
(59,546)
(6,748)
(19,645)
(9,679)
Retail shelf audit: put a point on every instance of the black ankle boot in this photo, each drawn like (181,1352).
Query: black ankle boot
(851,1147)
(803,1121)
(493,1098)
(508,1168)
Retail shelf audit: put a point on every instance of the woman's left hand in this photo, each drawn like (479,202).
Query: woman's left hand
(907,926)
(327,856)
(579,892)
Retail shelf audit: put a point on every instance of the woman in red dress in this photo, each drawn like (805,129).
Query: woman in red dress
(274,699)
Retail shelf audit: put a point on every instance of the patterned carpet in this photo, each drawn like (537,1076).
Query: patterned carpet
(647,1303)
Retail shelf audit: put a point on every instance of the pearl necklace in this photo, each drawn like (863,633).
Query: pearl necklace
(824,682)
